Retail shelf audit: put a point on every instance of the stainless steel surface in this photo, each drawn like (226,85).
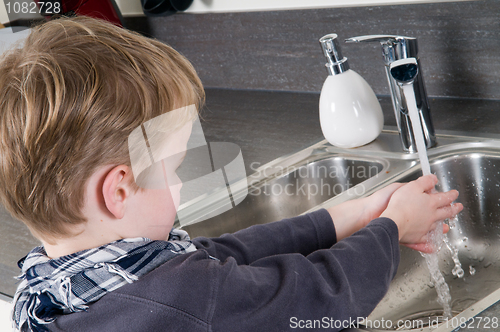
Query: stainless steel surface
(470,165)
(336,63)
(396,48)
(291,191)
(474,172)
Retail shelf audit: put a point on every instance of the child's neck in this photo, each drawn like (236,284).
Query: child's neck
(82,241)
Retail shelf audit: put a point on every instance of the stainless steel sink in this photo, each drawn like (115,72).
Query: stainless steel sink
(475,173)
(470,165)
(290,191)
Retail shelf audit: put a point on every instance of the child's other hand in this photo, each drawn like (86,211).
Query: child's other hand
(353,215)
(416,211)
(376,203)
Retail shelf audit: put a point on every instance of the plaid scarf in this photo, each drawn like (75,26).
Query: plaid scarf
(51,287)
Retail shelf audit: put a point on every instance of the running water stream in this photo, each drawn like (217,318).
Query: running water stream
(436,237)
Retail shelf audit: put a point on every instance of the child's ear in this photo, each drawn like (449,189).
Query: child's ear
(116,190)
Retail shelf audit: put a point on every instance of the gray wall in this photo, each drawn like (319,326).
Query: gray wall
(459,45)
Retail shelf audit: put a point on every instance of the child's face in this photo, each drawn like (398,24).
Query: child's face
(157,208)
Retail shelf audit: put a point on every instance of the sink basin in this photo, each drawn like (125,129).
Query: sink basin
(476,175)
(290,191)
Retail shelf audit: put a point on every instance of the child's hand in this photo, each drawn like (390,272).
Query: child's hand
(353,215)
(416,210)
(375,204)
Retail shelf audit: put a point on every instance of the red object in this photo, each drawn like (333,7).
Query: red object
(103,9)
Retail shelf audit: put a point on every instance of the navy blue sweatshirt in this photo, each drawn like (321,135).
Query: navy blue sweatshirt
(272,277)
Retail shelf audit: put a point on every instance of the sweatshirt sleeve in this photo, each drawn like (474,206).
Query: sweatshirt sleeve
(279,292)
(303,234)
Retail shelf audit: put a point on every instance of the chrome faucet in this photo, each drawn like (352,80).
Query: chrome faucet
(396,48)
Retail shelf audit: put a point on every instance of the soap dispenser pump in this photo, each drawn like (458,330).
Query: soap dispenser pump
(350,114)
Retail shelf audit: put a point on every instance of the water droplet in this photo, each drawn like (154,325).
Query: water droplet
(472,270)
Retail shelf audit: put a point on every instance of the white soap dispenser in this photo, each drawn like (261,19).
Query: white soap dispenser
(349,112)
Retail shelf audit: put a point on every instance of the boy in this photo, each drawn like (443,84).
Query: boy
(71,99)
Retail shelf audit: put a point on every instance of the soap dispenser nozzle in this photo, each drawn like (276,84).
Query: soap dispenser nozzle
(336,63)
(396,48)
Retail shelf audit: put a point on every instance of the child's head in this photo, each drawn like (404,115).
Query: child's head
(69,99)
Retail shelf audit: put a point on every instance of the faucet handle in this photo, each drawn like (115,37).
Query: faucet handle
(377,38)
(393,47)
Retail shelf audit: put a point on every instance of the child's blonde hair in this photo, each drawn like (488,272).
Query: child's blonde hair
(69,98)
